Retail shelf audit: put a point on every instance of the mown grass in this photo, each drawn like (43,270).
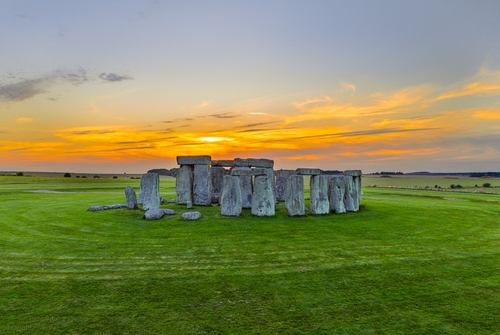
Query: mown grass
(410,262)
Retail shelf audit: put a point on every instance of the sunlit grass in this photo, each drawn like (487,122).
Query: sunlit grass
(410,262)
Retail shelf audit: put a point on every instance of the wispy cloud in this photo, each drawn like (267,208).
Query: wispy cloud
(25,89)
(113,77)
(25,120)
(227,115)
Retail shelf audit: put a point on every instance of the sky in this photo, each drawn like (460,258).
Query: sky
(124,86)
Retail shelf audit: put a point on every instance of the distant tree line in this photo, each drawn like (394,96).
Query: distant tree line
(485,174)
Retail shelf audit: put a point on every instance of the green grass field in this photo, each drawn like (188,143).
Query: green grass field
(409,262)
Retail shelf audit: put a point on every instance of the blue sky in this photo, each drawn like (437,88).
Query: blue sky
(374,85)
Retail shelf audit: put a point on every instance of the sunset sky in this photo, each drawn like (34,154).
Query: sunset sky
(126,86)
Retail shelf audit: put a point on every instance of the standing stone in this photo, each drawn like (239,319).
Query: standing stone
(338,185)
(272,184)
(230,199)
(131,197)
(202,185)
(294,195)
(281,177)
(184,184)
(319,195)
(217,173)
(263,200)
(150,191)
(246,185)
(355,176)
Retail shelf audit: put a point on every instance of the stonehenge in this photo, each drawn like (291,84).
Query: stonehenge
(252,183)
(246,183)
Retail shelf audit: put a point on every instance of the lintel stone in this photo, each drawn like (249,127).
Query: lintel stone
(194,160)
(254,162)
(353,173)
(308,171)
(223,163)
(245,171)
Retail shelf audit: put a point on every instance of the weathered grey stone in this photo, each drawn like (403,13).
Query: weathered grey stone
(281,176)
(337,190)
(189,204)
(217,173)
(230,200)
(191,216)
(103,208)
(263,199)
(223,162)
(202,185)
(150,191)
(131,197)
(294,195)
(246,171)
(353,173)
(353,191)
(157,213)
(184,184)
(319,195)
(254,162)
(308,171)
(194,160)
(246,188)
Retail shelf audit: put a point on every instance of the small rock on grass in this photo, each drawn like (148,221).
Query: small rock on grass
(190,216)
(156,214)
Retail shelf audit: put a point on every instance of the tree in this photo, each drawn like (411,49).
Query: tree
(486,185)
(67,175)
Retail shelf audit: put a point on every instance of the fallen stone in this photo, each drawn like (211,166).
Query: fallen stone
(294,195)
(319,204)
(157,213)
(191,216)
(131,197)
(281,176)
(308,171)
(202,185)
(184,184)
(104,208)
(230,200)
(254,162)
(194,160)
(150,191)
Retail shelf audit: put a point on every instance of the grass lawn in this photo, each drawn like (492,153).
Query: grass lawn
(409,262)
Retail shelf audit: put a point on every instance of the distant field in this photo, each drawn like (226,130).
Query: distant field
(409,262)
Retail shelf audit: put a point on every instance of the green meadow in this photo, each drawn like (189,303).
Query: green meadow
(409,262)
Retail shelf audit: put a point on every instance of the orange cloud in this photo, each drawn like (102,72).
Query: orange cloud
(24,120)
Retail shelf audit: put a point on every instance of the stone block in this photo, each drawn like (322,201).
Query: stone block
(150,191)
(202,185)
(184,184)
(194,160)
(246,171)
(156,214)
(223,163)
(281,176)
(337,189)
(230,200)
(191,216)
(353,173)
(319,195)
(294,195)
(254,162)
(308,171)
(217,173)
(246,187)
(131,197)
(263,199)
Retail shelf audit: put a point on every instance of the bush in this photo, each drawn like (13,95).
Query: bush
(67,175)
(19,174)
(486,185)
(115,177)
